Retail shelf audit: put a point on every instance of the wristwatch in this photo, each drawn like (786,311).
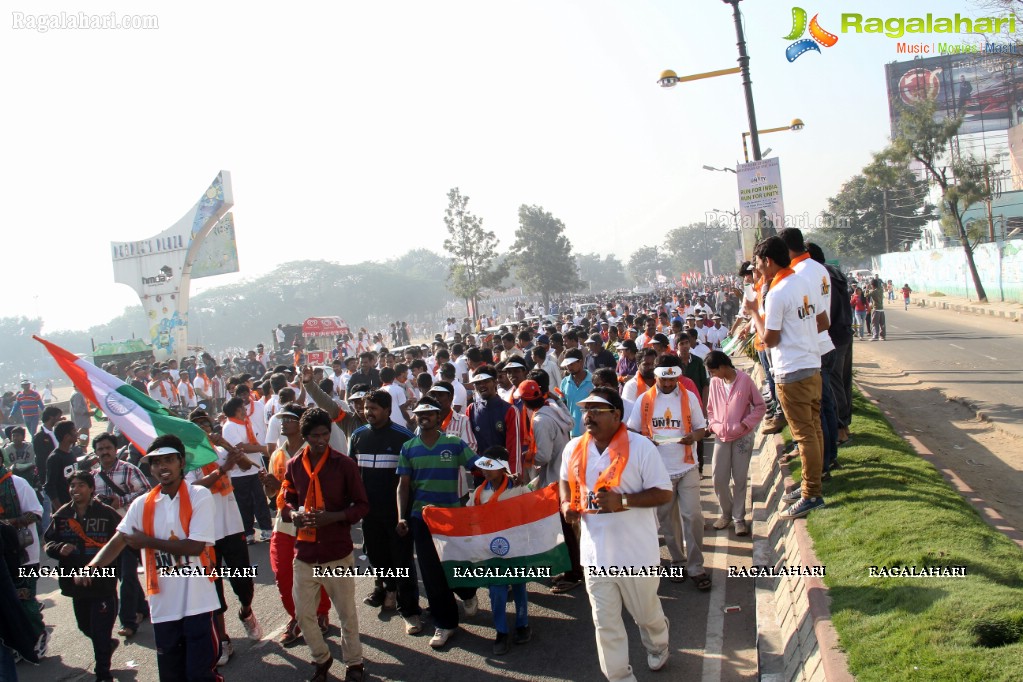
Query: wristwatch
(625,502)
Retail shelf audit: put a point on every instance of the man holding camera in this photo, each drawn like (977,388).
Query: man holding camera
(118,483)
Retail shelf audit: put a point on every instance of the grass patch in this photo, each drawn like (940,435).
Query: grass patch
(936,294)
(888,507)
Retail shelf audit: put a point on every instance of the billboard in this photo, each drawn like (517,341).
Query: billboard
(218,255)
(760,201)
(986,88)
(159,268)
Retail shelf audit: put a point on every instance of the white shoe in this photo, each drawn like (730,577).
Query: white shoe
(226,649)
(253,630)
(471,606)
(441,637)
(265,535)
(414,625)
(657,661)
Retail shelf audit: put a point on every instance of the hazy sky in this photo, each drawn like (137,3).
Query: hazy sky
(345,125)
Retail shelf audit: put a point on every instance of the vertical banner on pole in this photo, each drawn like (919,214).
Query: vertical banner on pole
(761,210)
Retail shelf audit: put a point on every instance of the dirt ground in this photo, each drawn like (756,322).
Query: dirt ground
(987,458)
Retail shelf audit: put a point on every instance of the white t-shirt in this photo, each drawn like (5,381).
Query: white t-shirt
(460,399)
(187,394)
(235,434)
(203,384)
(788,307)
(227,520)
(630,391)
(28,502)
(667,421)
(715,335)
(818,280)
(183,595)
(700,350)
(398,398)
(461,368)
(161,392)
(256,414)
(627,538)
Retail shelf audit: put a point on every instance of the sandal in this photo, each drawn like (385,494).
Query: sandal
(564,585)
(702,582)
(678,576)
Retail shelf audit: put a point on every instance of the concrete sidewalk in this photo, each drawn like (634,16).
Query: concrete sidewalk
(1009,311)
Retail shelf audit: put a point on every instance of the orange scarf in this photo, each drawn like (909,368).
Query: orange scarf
(77,529)
(447,420)
(249,433)
(191,391)
(641,386)
(223,483)
(617,450)
(314,494)
(646,411)
(493,498)
(799,259)
(780,275)
(206,558)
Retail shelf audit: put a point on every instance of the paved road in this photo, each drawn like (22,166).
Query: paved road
(967,356)
(707,643)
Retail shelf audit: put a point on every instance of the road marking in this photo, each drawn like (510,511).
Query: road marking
(955,346)
(990,358)
(714,641)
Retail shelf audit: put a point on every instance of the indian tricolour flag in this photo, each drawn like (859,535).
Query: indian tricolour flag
(485,545)
(139,417)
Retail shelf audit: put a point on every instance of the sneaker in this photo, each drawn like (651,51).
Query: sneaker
(501,644)
(441,637)
(375,599)
(741,529)
(265,535)
(323,621)
(253,630)
(826,476)
(291,633)
(226,650)
(657,661)
(722,523)
(792,496)
(42,644)
(391,601)
(805,506)
(321,671)
(413,625)
(471,606)
(523,634)
(250,539)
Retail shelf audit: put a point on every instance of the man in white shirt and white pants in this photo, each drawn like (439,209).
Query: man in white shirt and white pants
(613,480)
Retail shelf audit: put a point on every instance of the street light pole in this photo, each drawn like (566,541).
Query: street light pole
(746,82)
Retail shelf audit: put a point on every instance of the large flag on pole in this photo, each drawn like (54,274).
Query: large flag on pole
(500,543)
(139,417)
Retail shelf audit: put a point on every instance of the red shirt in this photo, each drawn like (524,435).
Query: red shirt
(342,491)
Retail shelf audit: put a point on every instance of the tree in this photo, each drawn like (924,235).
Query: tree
(690,245)
(644,264)
(472,250)
(962,181)
(542,254)
(869,216)
(601,274)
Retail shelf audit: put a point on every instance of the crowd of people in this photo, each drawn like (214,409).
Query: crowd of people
(620,406)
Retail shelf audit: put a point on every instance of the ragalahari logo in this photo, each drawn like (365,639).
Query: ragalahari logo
(817,35)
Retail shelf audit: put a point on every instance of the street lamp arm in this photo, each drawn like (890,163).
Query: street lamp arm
(670,79)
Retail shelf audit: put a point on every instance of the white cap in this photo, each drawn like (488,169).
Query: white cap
(569,361)
(488,464)
(166,450)
(667,372)
(482,376)
(425,407)
(514,363)
(358,395)
(438,389)
(594,399)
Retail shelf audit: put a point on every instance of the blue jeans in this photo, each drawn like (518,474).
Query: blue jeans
(829,417)
(765,362)
(8,671)
(32,424)
(499,602)
(44,522)
(861,322)
(133,599)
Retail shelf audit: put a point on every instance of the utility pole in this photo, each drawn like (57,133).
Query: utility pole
(990,218)
(887,238)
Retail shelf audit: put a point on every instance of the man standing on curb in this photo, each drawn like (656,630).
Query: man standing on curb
(788,327)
